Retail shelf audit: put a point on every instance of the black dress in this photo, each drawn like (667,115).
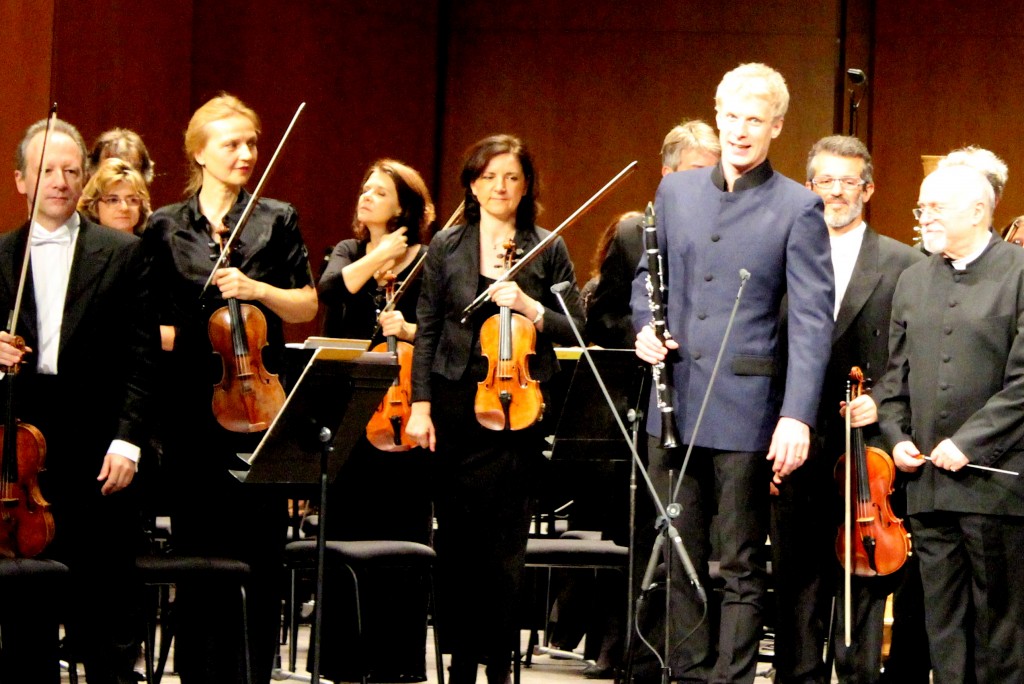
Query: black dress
(376,495)
(212,512)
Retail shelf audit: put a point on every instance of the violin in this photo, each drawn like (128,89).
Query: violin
(508,398)
(26,523)
(248,396)
(877,541)
(386,429)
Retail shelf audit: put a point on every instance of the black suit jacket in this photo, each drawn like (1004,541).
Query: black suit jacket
(861,333)
(956,371)
(107,348)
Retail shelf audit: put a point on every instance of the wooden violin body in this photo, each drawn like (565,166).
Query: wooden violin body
(248,397)
(26,523)
(508,398)
(386,429)
(879,544)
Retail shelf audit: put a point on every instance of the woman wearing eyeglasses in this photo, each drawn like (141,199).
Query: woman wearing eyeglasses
(116,196)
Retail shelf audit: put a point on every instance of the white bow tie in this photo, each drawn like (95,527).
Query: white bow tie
(58,237)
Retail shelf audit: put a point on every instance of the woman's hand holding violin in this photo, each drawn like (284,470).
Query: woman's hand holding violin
(393,323)
(234,284)
(508,294)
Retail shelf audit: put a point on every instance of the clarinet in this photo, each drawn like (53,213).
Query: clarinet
(656,300)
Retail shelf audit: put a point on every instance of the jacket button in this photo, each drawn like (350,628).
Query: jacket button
(709,277)
(701,316)
(716,237)
(696,356)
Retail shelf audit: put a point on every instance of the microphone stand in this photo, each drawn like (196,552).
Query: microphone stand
(665,514)
(668,530)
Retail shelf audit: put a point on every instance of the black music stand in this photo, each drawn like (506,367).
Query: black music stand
(312,437)
(587,430)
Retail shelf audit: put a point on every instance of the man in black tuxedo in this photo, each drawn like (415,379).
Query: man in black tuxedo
(84,381)
(953,393)
(866,267)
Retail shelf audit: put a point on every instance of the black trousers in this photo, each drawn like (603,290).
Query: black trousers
(482,503)
(724,497)
(973,578)
(804,566)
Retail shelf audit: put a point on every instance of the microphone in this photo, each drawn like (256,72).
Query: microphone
(857,76)
(677,541)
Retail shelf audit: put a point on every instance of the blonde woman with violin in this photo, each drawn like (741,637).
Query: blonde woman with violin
(483,475)
(380,492)
(213,513)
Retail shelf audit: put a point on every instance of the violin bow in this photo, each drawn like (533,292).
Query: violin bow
(546,242)
(420,263)
(848,527)
(12,320)
(228,244)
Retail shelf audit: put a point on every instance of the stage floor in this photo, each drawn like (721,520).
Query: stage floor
(545,669)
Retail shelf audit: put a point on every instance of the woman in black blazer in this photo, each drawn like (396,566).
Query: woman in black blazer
(483,476)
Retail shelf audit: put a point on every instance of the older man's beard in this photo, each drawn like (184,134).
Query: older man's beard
(843,219)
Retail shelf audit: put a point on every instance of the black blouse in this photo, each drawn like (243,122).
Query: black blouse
(354,315)
(181,254)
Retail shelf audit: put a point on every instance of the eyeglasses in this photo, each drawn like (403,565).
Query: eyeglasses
(114,200)
(848,182)
(934,210)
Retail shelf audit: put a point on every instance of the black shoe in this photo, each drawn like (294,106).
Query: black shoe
(595,671)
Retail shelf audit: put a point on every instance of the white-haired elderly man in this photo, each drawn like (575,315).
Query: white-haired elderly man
(953,394)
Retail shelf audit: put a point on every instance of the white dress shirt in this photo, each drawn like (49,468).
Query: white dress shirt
(845,249)
(52,251)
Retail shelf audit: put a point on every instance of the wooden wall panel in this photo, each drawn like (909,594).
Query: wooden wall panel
(591,90)
(125,63)
(25,49)
(945,76)
(367,72)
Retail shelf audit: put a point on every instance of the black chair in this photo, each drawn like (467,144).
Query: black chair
(163,571)
(44,579)
(568,553)
(359,557)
